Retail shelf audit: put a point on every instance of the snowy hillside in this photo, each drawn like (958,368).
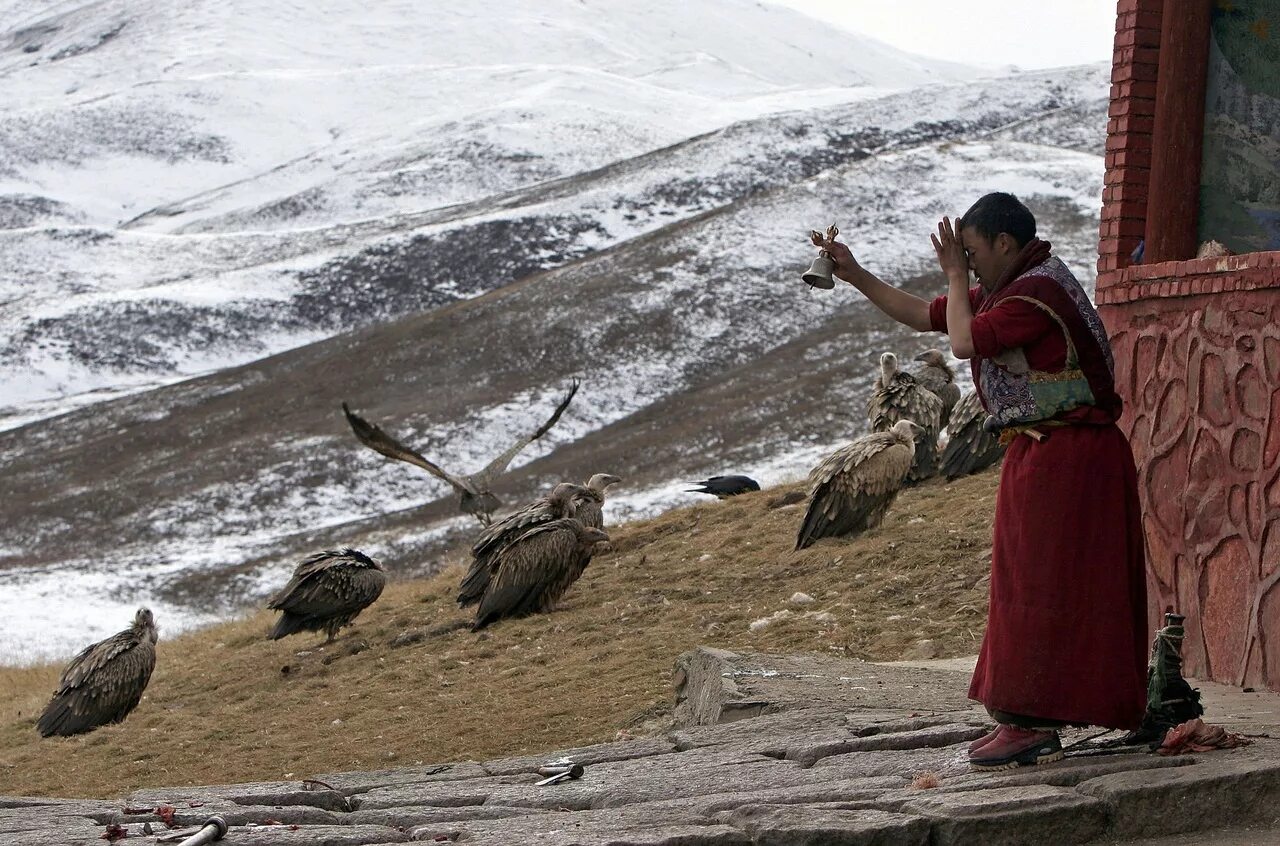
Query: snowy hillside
(280,125)
(191,186)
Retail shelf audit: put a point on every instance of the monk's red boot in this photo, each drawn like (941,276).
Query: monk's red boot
(984,740)
(1016,747)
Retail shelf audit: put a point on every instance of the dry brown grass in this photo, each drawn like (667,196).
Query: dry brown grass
(222,707)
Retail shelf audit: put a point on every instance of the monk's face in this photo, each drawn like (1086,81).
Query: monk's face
(988,259)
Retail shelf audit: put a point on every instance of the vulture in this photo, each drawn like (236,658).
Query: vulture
(723,487)
(104,682)
(562,502)
(591,503)
(327,592)
(530,574)
(590,513)
(566,499)
(970,448)
(898,396)
(936,374)
(853,487)
(476,498)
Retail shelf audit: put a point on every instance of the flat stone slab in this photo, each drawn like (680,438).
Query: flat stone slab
(802,825)
(765,749)
(717,686)
(1011,816)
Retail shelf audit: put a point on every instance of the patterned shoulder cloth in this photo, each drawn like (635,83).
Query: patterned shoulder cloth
(1016,395)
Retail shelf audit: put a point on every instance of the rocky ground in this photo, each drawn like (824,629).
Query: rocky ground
(764,749)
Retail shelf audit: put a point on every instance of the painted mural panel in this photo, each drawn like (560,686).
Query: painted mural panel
(1240,176)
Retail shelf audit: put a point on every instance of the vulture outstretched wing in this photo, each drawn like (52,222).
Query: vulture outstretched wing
(530,574)
(379,441)
(103,683)
(498,466)
(851,488)
(970,447)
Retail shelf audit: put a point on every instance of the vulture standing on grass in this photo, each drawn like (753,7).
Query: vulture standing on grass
(970,448)
(898,396)
(723,487)
(936,374)
(476,497)
(327,592)
(104,682)
(590,511)
(853,487)
(562,502)
(531,574)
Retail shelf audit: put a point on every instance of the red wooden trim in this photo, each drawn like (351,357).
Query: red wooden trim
(1178,138)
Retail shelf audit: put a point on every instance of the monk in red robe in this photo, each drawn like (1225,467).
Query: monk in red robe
(1066,639)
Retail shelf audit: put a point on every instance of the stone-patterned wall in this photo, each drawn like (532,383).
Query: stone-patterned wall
(1197,346)
(1200,374)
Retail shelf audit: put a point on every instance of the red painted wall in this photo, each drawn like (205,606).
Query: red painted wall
(1197,345)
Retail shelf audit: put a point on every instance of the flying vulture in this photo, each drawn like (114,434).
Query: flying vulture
(853,487)
(104,682)
(531,574)
(723,487)
(970,448)
(327,592)
(898,396)
(476,497)
(936,374)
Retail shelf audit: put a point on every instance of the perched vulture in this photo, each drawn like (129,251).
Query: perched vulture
(531,574)
(104,682)
(898,396)
(723,487)
(936,374)
(970,448)
(590,511)
(327,592)
(476,497)
(853,487)
(562,502)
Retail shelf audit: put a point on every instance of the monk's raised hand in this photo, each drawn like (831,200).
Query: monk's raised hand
(950,251)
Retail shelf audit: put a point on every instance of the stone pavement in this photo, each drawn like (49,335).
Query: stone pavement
(766,749)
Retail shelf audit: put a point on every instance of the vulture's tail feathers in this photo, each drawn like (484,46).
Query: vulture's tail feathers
(59,719)
(815,525)
(473,585)
(287,624)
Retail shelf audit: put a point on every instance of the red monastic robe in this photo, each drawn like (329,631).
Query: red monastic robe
(1066,631)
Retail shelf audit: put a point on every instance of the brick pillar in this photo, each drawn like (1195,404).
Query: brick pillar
(1129,133)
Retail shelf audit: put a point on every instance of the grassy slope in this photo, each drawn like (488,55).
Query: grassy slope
(227,705)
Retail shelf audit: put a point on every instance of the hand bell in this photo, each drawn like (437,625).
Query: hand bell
(819,273)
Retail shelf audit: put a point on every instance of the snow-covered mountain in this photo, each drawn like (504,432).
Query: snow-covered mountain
(192,186)
(294,134)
